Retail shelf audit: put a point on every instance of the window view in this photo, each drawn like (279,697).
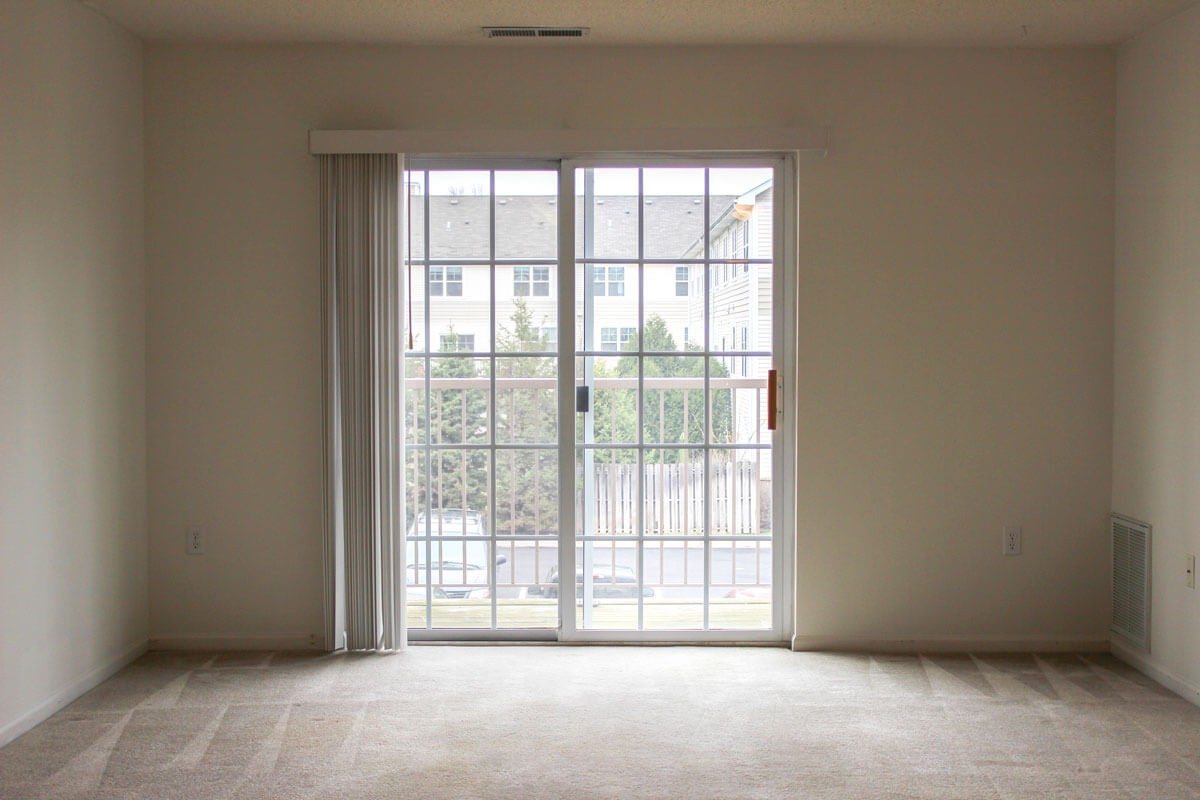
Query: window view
(673,339)
(482,438)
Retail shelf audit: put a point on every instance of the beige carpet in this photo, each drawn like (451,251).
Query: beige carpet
(599,722)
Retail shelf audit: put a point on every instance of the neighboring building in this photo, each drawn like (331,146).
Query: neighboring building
(740,299)
(526,229)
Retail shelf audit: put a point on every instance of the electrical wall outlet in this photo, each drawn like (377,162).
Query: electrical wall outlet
(1012,540)
(194,540)
(1191,571)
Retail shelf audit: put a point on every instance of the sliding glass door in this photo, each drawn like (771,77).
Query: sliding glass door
(598,411)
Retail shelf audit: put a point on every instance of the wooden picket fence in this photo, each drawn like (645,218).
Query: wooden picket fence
(674,497)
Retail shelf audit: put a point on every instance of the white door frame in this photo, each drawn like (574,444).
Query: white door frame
(783,339)
(784,350)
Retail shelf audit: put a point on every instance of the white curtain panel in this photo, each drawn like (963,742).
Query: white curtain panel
(362,324)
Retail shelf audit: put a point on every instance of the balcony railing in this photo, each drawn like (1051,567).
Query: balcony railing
(682,491)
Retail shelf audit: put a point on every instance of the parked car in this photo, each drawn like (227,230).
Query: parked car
(608,582)
(457,567)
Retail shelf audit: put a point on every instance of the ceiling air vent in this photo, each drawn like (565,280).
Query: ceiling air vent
(1131,581)
(511,32)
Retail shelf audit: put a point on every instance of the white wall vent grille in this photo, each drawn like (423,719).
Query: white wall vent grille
(519,32)
(1131,580)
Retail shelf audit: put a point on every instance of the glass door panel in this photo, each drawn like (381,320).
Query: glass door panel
(673,301)
(672,290)
(482,401)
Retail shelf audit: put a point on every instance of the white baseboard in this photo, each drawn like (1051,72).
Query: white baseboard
(1144,664)
(953,644)
(45,709)
(270,641)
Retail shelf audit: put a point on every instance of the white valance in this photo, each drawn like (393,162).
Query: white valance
(567,141)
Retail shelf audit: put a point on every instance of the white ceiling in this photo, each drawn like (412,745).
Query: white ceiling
(900,22)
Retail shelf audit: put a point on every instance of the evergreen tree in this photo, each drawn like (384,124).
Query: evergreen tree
(526,413)
(458,414)
(664,408)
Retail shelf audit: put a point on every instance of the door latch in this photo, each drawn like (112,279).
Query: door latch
(772,398)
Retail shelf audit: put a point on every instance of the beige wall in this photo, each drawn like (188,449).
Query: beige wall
(73,565)
(1156,450)
(955,313)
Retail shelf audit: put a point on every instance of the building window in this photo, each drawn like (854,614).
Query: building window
(531,281)
(608,281)
(744,249)
(738,239)
(458,342)
(681,281)
(614,339)
(550,335)
(445,281)
(745,347)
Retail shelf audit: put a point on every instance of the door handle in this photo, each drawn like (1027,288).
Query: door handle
(772,398)
(583,400)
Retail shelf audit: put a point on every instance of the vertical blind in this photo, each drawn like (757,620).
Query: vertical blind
(362,298)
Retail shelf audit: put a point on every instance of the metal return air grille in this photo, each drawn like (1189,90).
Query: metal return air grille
(510,32)
(1131,580)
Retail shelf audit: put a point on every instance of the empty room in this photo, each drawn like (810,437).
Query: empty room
(845,353)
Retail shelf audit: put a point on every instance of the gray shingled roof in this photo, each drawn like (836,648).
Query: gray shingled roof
(526,225)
